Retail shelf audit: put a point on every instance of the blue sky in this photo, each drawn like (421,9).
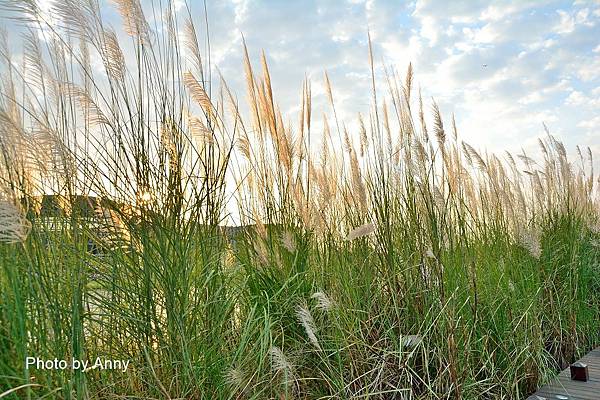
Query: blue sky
(542,59)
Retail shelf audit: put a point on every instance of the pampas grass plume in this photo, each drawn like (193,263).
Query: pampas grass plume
(323,301)
(305,318)
(280,363)
(360,231)
(14,228)
(531,242)
(288,241)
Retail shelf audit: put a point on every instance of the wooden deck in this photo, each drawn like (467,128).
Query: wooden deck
(562,387)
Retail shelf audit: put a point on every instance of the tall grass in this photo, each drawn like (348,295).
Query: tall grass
(392,262)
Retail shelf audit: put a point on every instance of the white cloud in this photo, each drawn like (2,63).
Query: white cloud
(178,5)
(569,20)
(589,69)
(240,10)
(534,97)
(541,58)
(590,124)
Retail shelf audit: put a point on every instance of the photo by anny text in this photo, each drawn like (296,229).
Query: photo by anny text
(76,364)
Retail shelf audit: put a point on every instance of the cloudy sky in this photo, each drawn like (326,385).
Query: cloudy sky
(503,67)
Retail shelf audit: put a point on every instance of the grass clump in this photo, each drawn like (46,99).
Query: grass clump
(405,265)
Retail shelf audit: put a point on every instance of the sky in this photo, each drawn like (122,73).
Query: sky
(502,67)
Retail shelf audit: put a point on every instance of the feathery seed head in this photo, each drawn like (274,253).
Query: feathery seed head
(305,318)
(360,231)
(279,361)
(14,227)
(410,341)
(288,241)
(234,377)
(531,242)
(323,301)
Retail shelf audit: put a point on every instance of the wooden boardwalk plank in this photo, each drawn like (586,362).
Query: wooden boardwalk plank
(562,385)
